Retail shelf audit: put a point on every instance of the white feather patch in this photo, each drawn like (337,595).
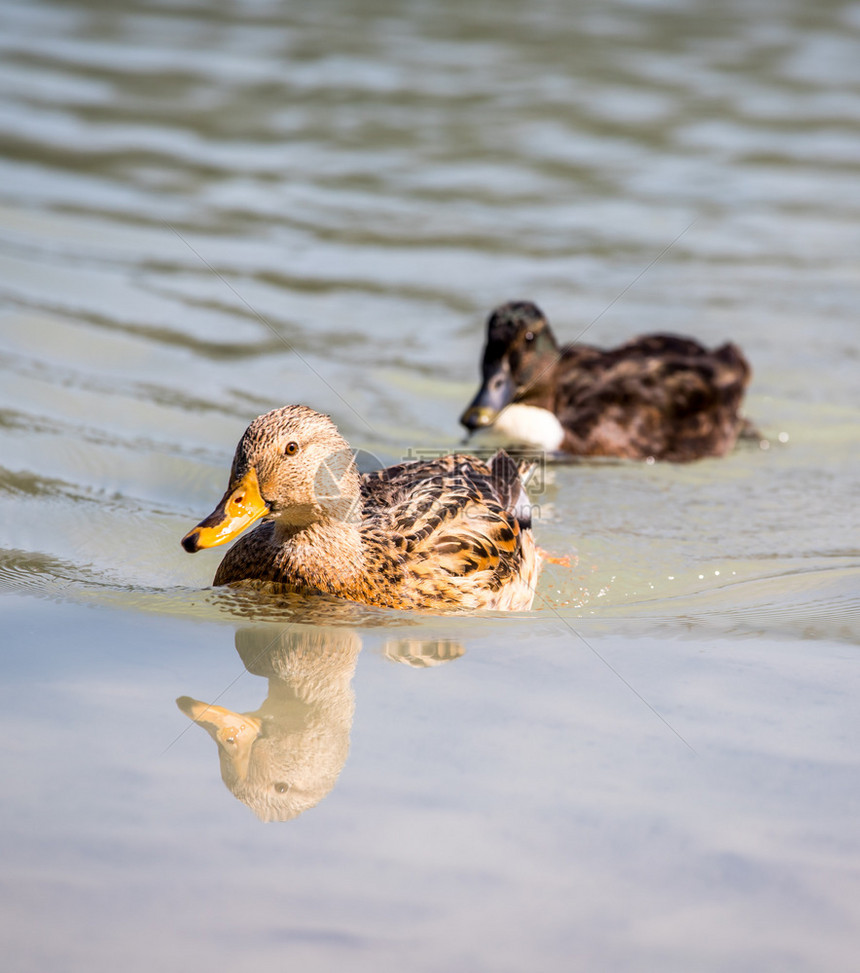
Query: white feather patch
(525,425)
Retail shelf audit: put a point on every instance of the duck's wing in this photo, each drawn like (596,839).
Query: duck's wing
(386,487)
(658,395)
(457,534)
(502,479)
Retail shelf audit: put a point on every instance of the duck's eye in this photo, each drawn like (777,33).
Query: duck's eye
(530,336)
(291,449)
(281,787)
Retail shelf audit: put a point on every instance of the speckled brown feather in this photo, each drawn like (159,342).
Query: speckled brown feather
(658,395)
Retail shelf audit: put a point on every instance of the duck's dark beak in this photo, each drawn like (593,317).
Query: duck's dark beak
(496,392)
(240,506)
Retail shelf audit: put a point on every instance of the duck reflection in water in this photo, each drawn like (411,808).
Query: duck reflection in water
(286,756)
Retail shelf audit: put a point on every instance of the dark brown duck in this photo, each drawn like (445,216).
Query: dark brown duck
(658,395)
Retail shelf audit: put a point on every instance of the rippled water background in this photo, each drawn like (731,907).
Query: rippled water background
(211,209)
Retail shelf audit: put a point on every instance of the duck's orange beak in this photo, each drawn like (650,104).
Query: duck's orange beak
(240,506)
(224,726)
(234,733)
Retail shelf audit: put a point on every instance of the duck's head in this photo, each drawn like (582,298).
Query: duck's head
(519,363)
(291,466)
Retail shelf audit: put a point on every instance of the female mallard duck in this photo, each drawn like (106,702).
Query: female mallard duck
(657,396)
(452,533)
